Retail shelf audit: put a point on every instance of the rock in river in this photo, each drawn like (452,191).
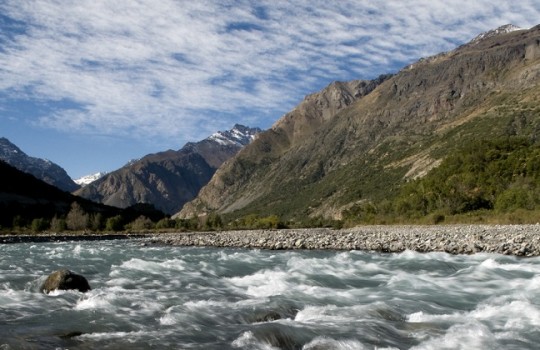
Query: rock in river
(65,280)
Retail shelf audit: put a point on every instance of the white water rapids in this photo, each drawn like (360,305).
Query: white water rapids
(167,297)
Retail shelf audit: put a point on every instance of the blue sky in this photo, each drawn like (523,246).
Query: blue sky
(91,84)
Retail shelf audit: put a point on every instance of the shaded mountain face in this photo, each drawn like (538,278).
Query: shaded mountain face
(42,169)
(24,195)
(359,141)
(168,179)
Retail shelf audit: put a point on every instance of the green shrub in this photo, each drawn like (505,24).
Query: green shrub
(58,225)
(140,224)
(39,225)
(115,223)
(165,223)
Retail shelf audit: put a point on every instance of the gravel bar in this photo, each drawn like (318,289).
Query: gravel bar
(519,240)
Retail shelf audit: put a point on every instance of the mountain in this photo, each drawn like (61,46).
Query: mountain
(88,179)
(43,169)
(22,194)
(169,179)
(360,141)
(23,197)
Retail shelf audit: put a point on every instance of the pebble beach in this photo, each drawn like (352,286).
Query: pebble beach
(519,240)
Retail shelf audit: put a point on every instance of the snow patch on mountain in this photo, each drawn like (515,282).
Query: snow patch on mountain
(88,179)
(239,135)
(507,28)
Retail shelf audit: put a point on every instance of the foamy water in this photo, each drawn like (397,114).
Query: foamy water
(197,298)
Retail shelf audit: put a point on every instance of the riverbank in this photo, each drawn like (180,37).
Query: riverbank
(53,237)
(519,240)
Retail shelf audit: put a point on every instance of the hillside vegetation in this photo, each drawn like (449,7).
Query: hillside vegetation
(444,139)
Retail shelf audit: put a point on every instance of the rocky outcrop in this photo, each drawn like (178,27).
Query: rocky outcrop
(65,280)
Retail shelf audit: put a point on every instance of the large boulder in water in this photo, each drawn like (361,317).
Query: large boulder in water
(65,280)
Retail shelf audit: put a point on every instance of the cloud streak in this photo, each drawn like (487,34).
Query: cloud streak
(179,69)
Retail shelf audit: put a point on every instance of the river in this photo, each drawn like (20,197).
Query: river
(146,296)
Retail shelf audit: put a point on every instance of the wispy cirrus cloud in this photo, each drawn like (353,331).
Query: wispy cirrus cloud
(181,69)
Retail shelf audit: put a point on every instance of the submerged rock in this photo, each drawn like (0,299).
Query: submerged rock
(65,280)
(266,316)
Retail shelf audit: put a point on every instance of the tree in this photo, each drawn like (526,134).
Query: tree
(141,223)
(39,225)
(77,219)
(165,223)
(115,223)
(213,221)
(58,225)
(96,222)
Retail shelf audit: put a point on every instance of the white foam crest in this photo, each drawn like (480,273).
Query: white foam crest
(241,256)
(341,266)
(58,292)
(130,337)
(248,340)
(401,279)
(263,284)
(205,304)
(57,252)
(534,284)
(326,292)
(418,256)
(471,335)
(167,320)
(172,316)
(96,301)
(120,282)
(510,315)
(493,264)
(130,305)
(333,344)
(421,317)
(325,314)
(77,250)
(148,266)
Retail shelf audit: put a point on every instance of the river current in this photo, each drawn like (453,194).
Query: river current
(166,297)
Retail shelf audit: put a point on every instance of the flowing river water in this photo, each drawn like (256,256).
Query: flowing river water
(164,297)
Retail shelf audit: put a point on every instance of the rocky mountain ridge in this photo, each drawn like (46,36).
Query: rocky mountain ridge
(169,179)
(345,145)
(42,169)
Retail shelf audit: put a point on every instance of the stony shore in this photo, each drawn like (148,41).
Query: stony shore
(519,240)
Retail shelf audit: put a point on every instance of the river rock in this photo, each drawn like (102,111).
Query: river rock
(65,280)
(266,316)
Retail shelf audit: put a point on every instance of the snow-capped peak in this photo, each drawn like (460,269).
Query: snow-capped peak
(239,135)
(507,28)
(85,180)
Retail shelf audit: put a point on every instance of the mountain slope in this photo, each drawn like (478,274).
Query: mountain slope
(23,195)
(319,161)
(168,179)
(43,169)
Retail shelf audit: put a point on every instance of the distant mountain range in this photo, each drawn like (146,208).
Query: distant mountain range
(357,143)
(168,179)
(42,169)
